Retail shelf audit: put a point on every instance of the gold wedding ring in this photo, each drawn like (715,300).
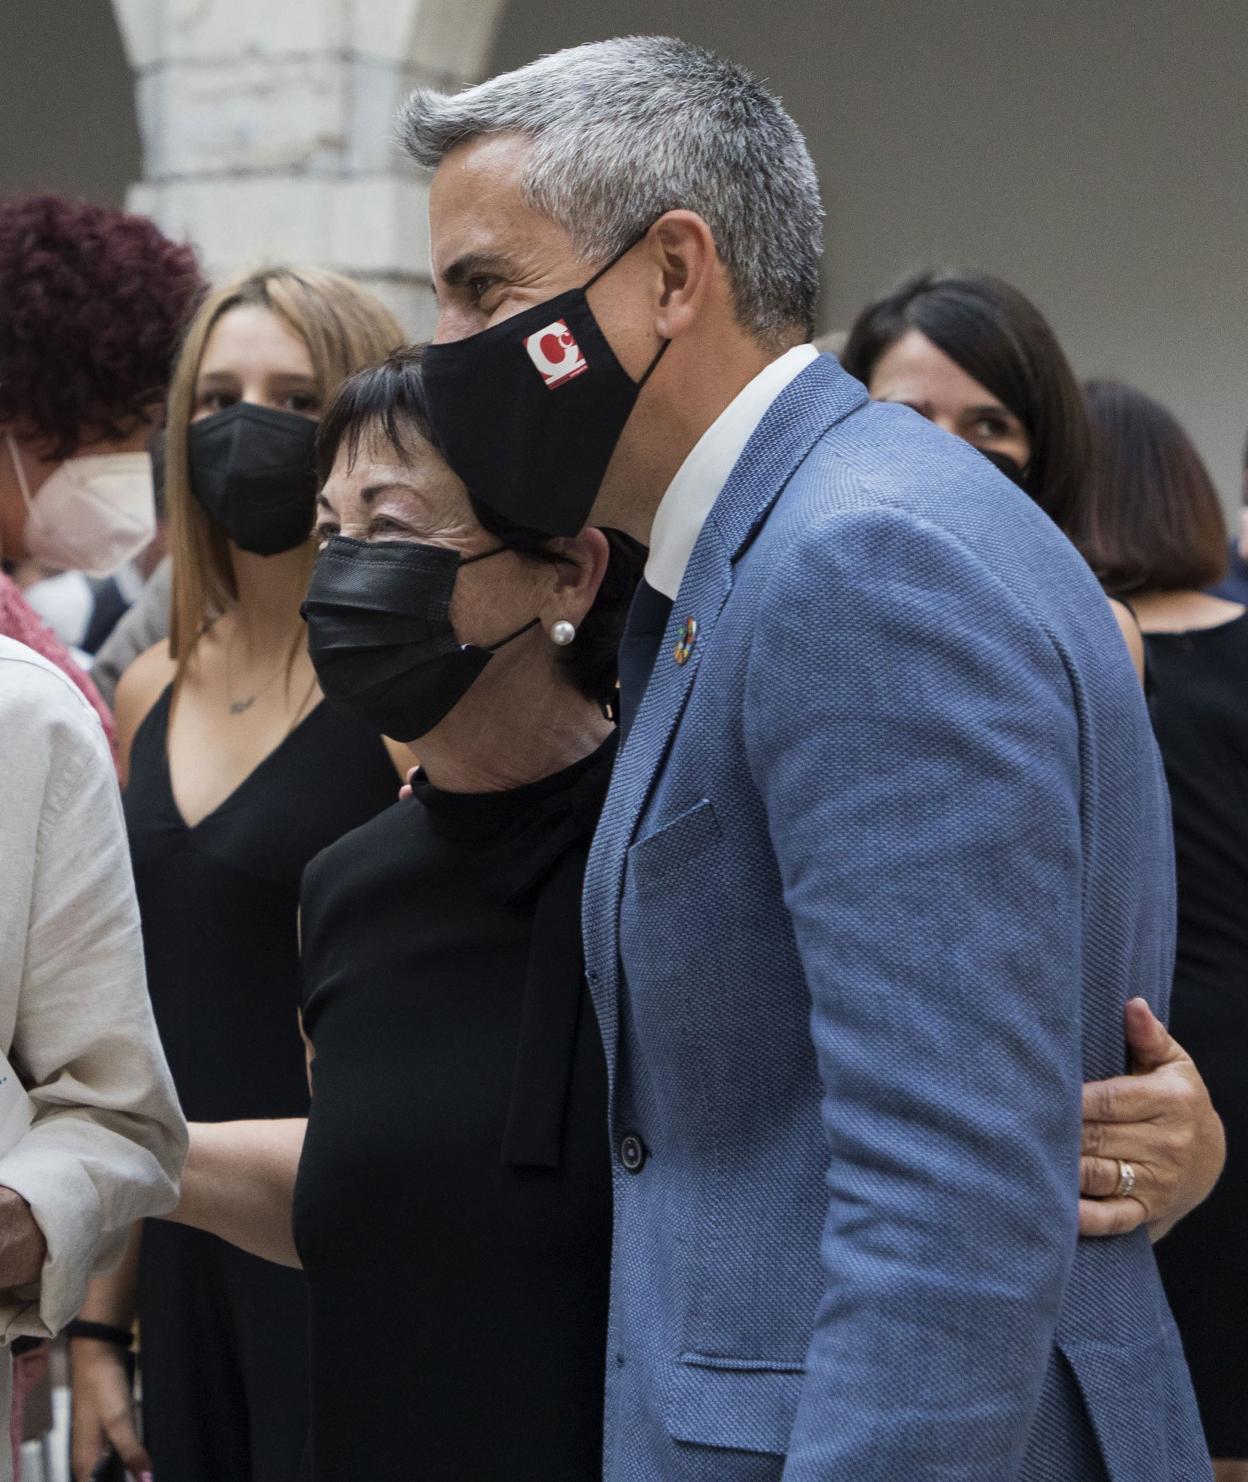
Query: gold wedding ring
(1126,1179)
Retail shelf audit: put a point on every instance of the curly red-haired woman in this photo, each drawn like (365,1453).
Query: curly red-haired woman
(92,302)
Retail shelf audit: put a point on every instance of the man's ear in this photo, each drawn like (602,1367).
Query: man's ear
(690,269)
(577,577)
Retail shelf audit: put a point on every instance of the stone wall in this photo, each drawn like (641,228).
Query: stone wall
(267,129)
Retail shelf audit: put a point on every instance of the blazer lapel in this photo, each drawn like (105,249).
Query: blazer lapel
(702,592)
(820,396)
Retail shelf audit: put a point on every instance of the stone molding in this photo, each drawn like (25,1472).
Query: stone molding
(267,128)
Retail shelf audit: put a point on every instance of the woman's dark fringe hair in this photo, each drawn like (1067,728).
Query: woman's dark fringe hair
(1150,520)
(390,398)
(1000,339)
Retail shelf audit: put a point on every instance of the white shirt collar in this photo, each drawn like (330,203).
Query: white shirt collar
(684,507)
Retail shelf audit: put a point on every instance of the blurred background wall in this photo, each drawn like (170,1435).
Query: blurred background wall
(67,111)
(1093,154)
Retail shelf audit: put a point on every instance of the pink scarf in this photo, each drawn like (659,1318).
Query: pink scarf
(18,620)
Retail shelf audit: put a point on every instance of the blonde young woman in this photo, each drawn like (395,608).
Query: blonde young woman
(238,775)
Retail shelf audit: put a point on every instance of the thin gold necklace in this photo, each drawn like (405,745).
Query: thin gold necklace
(243,704)
(238,706)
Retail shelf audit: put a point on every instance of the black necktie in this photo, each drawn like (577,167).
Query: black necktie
(647,619)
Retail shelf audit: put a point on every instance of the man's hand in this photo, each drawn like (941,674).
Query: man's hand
(405,791)
(23,1249)
(1161,1121)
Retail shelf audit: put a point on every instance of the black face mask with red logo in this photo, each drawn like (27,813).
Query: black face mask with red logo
(528,412)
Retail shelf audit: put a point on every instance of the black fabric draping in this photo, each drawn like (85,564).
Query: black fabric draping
(456,1173)
(542,852)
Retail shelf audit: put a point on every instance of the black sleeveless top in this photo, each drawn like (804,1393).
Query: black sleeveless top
(453,1200)
(1200,713)
(224,1345)
(219,905)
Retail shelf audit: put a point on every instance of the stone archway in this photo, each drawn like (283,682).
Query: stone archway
(267,128)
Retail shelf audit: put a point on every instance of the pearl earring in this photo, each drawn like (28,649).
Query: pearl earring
(562,632)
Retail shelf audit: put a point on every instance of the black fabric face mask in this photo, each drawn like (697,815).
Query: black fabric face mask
(528,412)
(1009,466)
(380,635)
(252,468)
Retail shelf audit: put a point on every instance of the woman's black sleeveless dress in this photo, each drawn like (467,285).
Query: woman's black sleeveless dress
(453,1205)
(224,1334)
(1200,712)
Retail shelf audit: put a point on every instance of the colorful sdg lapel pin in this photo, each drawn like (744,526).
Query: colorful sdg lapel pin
(684,644)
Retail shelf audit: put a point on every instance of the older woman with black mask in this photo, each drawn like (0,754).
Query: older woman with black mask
(453,1198)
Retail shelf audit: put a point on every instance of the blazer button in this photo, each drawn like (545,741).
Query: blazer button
(632,1153)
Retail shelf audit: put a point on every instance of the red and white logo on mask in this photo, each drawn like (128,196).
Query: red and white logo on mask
(556,354)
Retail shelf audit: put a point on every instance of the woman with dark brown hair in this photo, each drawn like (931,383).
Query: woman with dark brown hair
(453,1200)
(974,355)
(1152,529)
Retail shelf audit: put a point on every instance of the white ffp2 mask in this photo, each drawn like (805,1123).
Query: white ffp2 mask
(91,514)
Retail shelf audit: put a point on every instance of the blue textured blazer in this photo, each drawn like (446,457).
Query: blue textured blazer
(882,861)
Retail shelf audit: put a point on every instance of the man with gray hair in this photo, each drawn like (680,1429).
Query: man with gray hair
(887,845)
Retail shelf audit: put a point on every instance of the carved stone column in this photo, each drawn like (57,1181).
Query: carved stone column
(267,129)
